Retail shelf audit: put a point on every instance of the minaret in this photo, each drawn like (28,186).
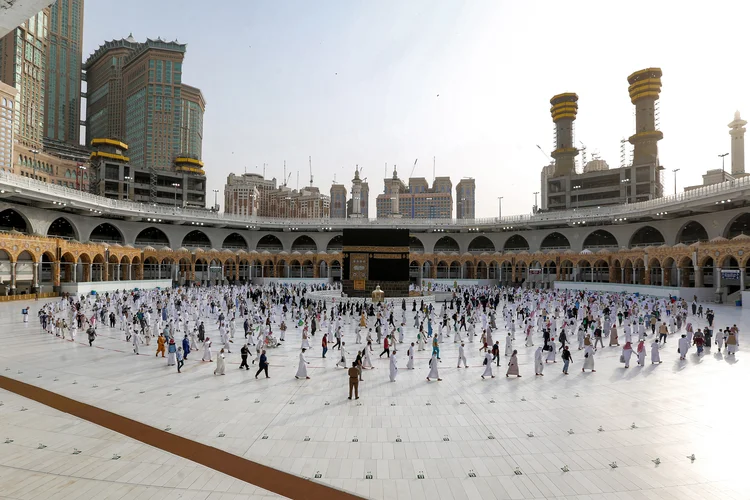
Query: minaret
(564,110)
(395,193)
(737,131)
(644,89)
(356,195)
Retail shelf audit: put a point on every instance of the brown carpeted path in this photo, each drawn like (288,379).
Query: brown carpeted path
(273,480)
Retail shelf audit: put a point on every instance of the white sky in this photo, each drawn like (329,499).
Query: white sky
(355,82)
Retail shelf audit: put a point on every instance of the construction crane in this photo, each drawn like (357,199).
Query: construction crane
(413,168)
(309,159)
(545,154)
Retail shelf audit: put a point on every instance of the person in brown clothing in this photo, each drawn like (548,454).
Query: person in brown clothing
(160,345)
(354,381)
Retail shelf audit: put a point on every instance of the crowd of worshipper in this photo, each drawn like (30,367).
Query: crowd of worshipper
(211,321)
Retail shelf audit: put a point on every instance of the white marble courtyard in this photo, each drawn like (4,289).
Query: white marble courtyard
(466,437)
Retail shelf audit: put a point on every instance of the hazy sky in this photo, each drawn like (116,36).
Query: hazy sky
(354,82)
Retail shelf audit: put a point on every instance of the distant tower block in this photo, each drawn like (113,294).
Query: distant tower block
(564,110)
(644,89)
(737,131)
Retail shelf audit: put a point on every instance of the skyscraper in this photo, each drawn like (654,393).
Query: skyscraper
(338,201)
(136,95)
(23,66)
(7,101)
(465,198)
(62,97)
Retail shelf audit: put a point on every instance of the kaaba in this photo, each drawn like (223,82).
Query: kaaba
(375,257)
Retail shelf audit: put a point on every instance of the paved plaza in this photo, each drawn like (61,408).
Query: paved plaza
(614,434)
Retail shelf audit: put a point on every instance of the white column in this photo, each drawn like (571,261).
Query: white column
(36,275)
(12,278)
(662,276)
(717,277)
(679,277)
(622,275)
(742,279)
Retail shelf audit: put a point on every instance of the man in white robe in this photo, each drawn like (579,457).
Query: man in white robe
(461,356)
(393,366)
(538,363)
(683,344)
(410,356)
(434,368)
(302,367)
(655,358)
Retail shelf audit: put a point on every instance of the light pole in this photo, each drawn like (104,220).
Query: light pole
(626,182)
(722,166)
(176,186)
(127,179)
(216,199)
(675,178)
(575,190)
(535,200)
(82,168)
(499,207)
(33,163)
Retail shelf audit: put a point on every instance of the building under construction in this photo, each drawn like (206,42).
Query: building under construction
(564,187)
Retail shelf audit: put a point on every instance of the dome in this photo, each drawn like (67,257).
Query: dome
(595,165)
(740,237)
(718,239)
(149,248)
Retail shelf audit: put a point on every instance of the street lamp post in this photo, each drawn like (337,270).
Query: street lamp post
(535,200)
(82,168)
(675,177)
(176,186)
(575,190)
(626,182)
(216,199)
(722,166)
(127,179)
(499,207)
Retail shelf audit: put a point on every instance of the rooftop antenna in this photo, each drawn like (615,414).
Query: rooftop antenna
(309,159)
(245,169)
(385,170)
(264,170)
(286,179)
(433,170)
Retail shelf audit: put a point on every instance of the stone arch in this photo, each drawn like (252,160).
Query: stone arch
(270,243)
(304,243)
(62,227)
(428,269)
(196,239)
(600,271)
(566,270)
(151,268)
(336,244)
(555,241)
(235,241)
(616,271)
(481,244)
(13,220)
(413,271)
(106,233)
(739,224)
(585,271)
(282,271)
(482,271)
(308,268)
(654,271)
(446,244)
(646,236)
(415,245)
(267,271)
(516,243)
(600,238)
(336,270)
(323,269)
(442,270)
(454,271)
(151,236)
(691,232)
